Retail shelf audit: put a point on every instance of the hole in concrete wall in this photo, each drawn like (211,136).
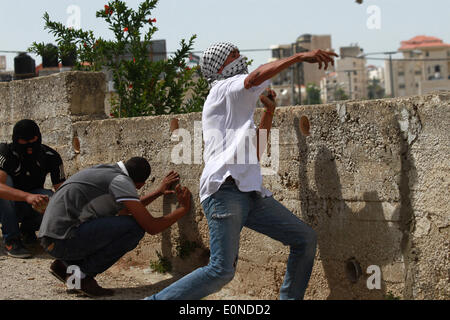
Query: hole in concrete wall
(353,270)
(76,144)
(304,126)
(173,125)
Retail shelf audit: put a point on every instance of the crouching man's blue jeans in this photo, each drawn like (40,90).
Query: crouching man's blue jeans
(227,211)
(97,244)
(13,212)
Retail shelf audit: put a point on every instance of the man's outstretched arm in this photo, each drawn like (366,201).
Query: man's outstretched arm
(164,188)
(13,194)
(269,70)
(154,225)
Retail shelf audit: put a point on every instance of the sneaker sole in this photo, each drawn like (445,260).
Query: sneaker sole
(57,276)
(20,256)
(94,296)
(84,293)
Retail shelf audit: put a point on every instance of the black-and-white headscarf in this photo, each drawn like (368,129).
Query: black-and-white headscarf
(215,56)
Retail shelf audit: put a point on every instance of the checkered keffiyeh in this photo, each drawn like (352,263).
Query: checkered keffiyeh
(213,59)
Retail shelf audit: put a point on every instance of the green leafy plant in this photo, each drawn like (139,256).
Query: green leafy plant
(162,265)
(339,94)
(391,296)
(48,52)
(375,90)
(144,87)
(313,94)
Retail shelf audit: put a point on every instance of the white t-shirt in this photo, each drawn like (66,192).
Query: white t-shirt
(229,133)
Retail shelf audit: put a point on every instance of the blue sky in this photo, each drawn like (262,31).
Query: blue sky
(250,24)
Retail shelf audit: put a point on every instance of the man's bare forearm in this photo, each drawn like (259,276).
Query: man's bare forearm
(269,70)
(149,198)
(264,128)
(164,222)
(268,100)
(150,224)
(12,194)
(266,120)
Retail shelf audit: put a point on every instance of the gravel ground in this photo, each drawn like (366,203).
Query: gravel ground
(30,279)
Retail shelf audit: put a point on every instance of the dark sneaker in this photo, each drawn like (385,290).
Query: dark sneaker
(29,238)
(90,287)
(16,249)
(59,270)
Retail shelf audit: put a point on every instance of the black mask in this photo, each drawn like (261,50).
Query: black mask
(26,130)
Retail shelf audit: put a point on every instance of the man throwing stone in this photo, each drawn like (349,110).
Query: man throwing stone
(231,190)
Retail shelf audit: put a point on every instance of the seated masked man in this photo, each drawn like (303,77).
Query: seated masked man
(24,165)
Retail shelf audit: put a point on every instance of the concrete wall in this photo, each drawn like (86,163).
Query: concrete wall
(372,179)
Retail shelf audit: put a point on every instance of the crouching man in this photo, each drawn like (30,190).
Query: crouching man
(96,217)
(24,165)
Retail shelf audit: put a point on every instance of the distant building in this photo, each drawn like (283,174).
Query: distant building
(426,67)
(4,76)
(351,72)
(375,82)
(312,74)
(374,72)
(328,87)
(291,81)
(286,92)
(2,63)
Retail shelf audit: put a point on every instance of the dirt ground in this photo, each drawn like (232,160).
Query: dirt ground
(30,279)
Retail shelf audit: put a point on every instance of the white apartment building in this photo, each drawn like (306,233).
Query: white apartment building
(351,72)
(425,67)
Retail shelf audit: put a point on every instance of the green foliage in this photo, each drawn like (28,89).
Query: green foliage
(375,90)
(48,52)
(313,94)
(185,248)
(43,49)
(340,94)
(162,265)
(70,41)
(391,296)
(143,87)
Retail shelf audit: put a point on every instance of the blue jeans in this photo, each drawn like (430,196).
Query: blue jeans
(97,244)
(13,212)
(227,211)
